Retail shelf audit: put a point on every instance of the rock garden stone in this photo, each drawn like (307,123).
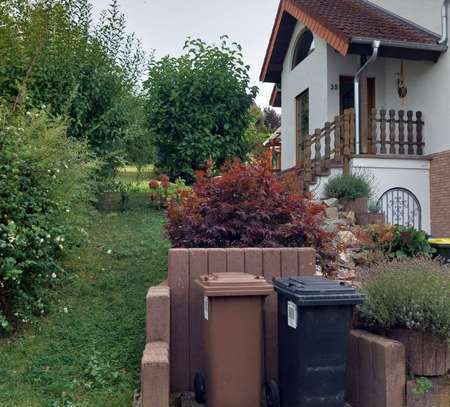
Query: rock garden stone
(331,202)
(332,213)
(347,238)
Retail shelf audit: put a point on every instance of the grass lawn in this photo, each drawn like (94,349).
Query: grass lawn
(86,352)
(138,180)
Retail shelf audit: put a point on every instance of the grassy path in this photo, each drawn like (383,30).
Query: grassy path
(87,351)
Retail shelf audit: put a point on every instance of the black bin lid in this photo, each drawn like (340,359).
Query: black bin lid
(310,291)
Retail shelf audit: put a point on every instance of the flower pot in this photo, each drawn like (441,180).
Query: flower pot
(358,205)
(364,219)
(426,353)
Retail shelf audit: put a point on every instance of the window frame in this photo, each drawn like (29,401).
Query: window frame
(297,47)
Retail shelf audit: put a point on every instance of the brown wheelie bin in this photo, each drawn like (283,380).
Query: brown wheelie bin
(233,329)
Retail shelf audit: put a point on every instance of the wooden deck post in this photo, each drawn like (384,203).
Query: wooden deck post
(346,137)
(401,132)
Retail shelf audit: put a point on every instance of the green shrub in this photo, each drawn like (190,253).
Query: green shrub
(396,241)
(348,187)
(408,293)
(44,186)
(374,207)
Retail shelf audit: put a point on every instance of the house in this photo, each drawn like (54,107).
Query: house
(384,65)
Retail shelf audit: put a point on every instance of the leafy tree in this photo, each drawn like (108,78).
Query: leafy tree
(51,54)
(272,120)
(198,107)
(257,131)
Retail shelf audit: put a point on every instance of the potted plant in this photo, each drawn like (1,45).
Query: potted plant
(409,300)
(353,192)
(373,217)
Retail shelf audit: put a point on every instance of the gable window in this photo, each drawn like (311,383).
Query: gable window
(303,47)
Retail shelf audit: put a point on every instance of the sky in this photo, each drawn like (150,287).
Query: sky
(163,26)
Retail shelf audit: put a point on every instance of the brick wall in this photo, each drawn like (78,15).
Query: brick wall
(440,194)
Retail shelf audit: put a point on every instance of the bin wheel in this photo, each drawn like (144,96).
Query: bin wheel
(200,388)
(272,394)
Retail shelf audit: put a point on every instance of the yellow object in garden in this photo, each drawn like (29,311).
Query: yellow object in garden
(439,241)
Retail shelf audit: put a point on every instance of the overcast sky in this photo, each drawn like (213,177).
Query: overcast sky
(163,25)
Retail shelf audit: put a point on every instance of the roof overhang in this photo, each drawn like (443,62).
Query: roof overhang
(398,49)
(287,17)
(290,13)
(275,98)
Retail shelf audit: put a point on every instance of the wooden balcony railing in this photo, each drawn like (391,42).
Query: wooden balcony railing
(334,144)
(395,133)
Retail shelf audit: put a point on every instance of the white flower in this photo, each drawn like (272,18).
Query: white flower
(109,251)
(53,275)
(65,310)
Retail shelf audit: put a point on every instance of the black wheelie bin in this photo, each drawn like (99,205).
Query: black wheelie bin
(314,321)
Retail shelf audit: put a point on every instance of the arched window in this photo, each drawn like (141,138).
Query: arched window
(303,47)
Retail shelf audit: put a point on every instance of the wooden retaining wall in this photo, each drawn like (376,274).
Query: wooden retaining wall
(186,265)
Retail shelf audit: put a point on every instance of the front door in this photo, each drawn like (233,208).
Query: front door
(302,124)
(346,93)
(347,101)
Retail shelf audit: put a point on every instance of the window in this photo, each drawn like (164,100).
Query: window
(302,124)
(303,47)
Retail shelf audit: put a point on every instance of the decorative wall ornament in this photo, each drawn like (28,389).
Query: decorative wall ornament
(402,89)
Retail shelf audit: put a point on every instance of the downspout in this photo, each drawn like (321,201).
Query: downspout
(370,61)
(444,16)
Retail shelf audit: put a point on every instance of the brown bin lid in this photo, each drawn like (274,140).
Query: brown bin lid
(233,285)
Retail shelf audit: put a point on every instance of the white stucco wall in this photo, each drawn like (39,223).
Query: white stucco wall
(309,74)
(412,174)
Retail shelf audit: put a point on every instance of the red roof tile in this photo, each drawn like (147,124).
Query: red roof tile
(358,18)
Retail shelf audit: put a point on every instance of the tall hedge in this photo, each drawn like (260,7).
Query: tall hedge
(45,182)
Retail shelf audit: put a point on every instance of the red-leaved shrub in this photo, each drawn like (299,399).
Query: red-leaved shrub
(247,206)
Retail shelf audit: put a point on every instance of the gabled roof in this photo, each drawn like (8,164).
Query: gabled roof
(349,26)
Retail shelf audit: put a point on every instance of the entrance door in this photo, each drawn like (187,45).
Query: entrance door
(347,94)
(347,101)
(302,124)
